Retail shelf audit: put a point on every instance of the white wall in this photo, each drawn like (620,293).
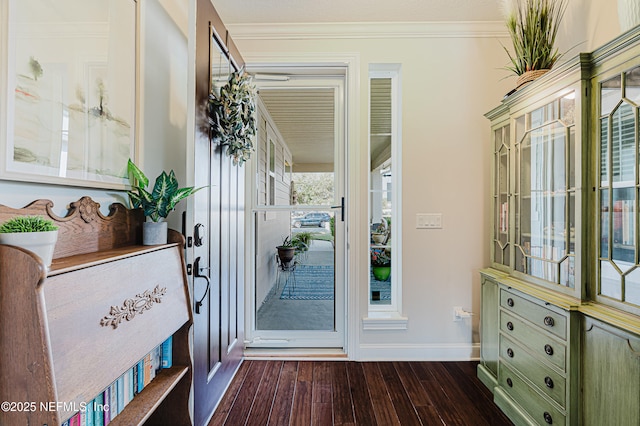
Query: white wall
(163,112)
(587,25)
(448,83)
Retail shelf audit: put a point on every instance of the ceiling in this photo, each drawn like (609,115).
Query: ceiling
(305,117)
(302,11)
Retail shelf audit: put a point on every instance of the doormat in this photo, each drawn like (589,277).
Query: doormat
(315,282)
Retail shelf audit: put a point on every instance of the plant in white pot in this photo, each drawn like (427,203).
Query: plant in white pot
(34,233)
(156,204)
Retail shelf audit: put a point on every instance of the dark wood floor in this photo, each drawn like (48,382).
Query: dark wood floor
(283,393)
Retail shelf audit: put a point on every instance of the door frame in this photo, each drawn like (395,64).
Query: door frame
(354,195)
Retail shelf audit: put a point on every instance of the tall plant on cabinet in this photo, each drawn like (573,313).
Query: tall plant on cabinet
(533,26)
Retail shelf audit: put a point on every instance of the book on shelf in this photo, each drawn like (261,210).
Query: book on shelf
(113,394)
(114,398)
(107,409)
(98,410)
(167,353)
(140,371)
(89,414)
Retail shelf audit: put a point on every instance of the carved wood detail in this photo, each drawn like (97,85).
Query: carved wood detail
(132,307)
(85,229)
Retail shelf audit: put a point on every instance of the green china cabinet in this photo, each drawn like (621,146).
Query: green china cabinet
(560,311)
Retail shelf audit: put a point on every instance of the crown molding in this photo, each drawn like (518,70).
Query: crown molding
(368,30)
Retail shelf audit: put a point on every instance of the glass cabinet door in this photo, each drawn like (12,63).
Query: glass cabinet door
(619,273)
(502,147)
(545,192)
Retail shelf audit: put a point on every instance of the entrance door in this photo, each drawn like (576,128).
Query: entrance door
(298,194)
(217,262)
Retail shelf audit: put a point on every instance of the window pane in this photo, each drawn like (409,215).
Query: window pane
(623,145)
(272,157)
(605,218)
(567,272)
(546,217)
(572,222)
(497,139)
(624,226)
(610,92)
(632,85)
(604,151)
(567,108)
(610,281)
(632,287)
(572,157)
(382,113)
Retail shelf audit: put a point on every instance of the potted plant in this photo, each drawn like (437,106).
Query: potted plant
(34,233)
(232,115)
(533,26)
(381,263)
(302,241)
(286,251)
(156,204)
(379,234)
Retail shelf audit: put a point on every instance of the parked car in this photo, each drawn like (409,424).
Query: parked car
(312,219)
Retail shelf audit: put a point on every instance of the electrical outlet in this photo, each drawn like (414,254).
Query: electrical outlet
(459,313)
(456,313)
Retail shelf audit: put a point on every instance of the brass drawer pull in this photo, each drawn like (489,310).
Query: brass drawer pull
(549,382)
(510,352)
(510,302)
(548,350)
(549,321)
(547,418)
(510,326)
(509,382)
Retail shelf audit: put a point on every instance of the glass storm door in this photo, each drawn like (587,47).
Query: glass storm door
(298,297)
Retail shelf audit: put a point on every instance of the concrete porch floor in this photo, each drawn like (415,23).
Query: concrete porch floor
(278,314)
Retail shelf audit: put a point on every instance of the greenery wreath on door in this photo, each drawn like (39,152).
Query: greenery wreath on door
(232,115)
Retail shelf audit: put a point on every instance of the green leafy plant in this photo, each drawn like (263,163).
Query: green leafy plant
(232,115)
(162,199)
(286,242)
(332,226)
(27,224)
(304,236)
(533,26)
(302,240)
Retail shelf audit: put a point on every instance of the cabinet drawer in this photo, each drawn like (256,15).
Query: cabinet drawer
(539,315)
(548,381)
(543,412)
(540,343)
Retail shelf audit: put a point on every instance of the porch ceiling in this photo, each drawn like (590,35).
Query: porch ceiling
(305,119)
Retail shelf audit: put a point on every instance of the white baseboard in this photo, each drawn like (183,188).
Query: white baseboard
(424,352)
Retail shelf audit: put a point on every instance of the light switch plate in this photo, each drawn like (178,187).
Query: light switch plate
(429,220)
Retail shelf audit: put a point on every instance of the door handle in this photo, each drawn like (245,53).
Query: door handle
(197,273)
(341,207)
(197,238)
